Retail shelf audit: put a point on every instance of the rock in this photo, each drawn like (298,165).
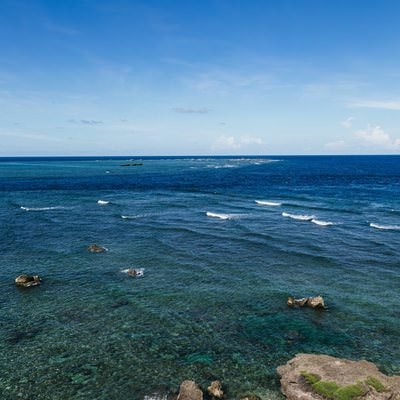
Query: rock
(215,390)
(313,302)
(251,397)
(307,376)
(291,302)
(316,302)
(27,280)
(94,248)
(189,390)
(133,272)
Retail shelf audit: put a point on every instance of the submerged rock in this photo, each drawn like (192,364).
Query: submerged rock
(215,390)
(313,302)
(133,272)
(27,280)
(313,377)
(94,248)
(189,390)
(251,397)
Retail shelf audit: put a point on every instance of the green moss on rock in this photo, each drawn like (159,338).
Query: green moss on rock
(375,383)
(333,391)
(349,392)
(310,378)
(326,388)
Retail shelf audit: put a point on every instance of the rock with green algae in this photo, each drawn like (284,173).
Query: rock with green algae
(316,377)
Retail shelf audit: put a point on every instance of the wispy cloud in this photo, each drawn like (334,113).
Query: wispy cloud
(35,136)
(222,81)
(381,104)
(347,123)
(65,30)
(336,145)
(233,143)
(188,110)
(86,121)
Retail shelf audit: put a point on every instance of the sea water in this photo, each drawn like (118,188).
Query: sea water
(222,243)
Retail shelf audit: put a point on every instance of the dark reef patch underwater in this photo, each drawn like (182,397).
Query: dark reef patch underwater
(212,301)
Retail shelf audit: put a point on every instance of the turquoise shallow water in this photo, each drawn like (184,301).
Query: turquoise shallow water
(212,301)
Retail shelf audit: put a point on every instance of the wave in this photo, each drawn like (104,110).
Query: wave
(385,227)
(322,223)
(299,217)
(268,203)
(130,216)
(220,216)
(222,166)
(102,202)
(40,208)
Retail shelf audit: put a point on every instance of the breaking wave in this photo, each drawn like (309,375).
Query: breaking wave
(138,271)
(385,227)
(268,203)
(299,217)
(41,208)
(102,202)
(322,223)
(220,216)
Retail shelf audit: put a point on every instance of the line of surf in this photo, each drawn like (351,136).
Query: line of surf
(41,208)
(268,203)
(385,227)
(220,216)
(298,217)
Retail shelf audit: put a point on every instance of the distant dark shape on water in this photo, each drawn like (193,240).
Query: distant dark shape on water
(132,165)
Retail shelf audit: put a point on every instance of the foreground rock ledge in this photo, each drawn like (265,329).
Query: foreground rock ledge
(364,374)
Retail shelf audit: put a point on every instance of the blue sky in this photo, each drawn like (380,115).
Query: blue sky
(199,77)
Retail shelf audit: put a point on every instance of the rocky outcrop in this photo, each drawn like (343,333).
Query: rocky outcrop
(316,377)
(94,248)
(27,280)
(313,302)
(189,390)
(215,390)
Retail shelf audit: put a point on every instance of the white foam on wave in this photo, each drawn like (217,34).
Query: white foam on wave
(298,217)
(41,208)
(103,202)
(220,216)
(268,203)
(130,216)
(222,166)
(322,223)
(139,271)
(385,227)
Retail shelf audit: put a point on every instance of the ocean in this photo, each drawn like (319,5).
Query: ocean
(223,242)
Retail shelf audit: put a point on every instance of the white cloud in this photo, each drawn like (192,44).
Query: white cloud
(347,123)
(386,105)
(232,143)
(376,136)
(189,110)
(336,145)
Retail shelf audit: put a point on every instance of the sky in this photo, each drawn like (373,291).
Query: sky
(209,77)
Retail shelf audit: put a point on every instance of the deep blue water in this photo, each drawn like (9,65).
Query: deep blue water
(212,301)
